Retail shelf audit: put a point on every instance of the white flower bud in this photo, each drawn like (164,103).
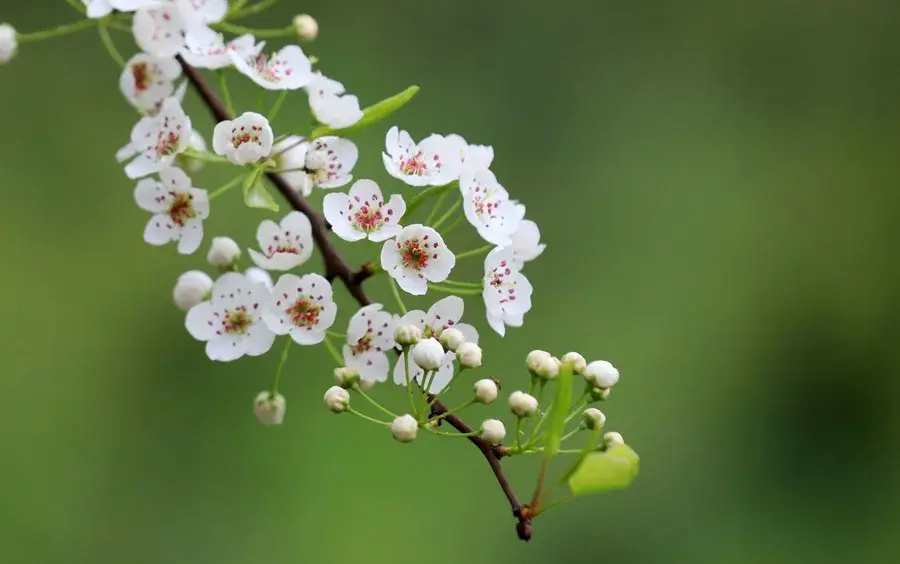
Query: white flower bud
(191,289)
(428,354)
(405,428)
(612,439)
(469,355)
(452,338)
(542,364)
(407,334)
(578,362)
(269,410)
(8,42)
(593,418)
(522,404)
(337,399)
(307,27)
(223,252)
(601,374)
(257,275)
(486,391)
(345,377)
(316,160)
(493,431)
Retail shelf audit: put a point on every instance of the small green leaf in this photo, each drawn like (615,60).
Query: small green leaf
(256,195)
(589,447)
(613,469)
(372,114)
(559,409)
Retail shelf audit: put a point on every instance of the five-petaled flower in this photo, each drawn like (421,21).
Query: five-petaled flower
(507,293)
(244,140)
(284,246)
(488,207)
(207,49)
(325,162)
(288,69)
(363,213)
(370,334)
(179,209)
(231,321)
(330,104)
(301,306)
(159,29)
(433,162)
(158,139)
(147,80)
(417,256)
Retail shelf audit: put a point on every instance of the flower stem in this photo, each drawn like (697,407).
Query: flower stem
(237,12)
(107,40)
(570,433)
(366,417)
(445,434)
(419,198)
(409,391)
(77,5)
(368,398)
(477,285)
(277,105)
(456,409)
(437,206)
(204,156)
(453,225)
(475,252)
(333,351)
(336,335)
(226,187)
(395,290)
(58,31)
(448,214)
(226,95)
(457,291)
(559,501)
(284,354)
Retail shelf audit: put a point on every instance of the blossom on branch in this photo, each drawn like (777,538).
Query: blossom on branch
(370,334)
(302,307)
(207,49)
(179,209)
(285,245)
(472,158)
(325,162)
(433,162)
(488,207)
(330,104)
(157,140)
(288,69)
(507,293)
(244,140)
(147,80)
(526,243)
(363,213)
(417,256)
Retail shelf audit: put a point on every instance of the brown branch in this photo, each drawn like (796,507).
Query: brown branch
(337,267)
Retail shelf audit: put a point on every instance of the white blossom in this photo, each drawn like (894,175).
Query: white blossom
(428,354)
(306,26)
(469,355)
(330,104)
(438,381)
(8,43)
(522,404)
(337,399)
(486,391)
(593,418)
(507,293)
(102,8)
(601,374)
(231,321)
(147,80)
(542,364)
(179,209)
(405,428)
(612,439)
(285,245)
(451,338)
(269,409)
(159,28)
(207,49)
(201,13)
(370,334)
(526,243)
(433,162)
(302,307)
(492,431)
(157,140)
(288,69)
(223,252)
(326,162)
(260,276)
(579,365)
(363,213)
(417,256)
(191,288)
(472,158)
(488,207)
(244,140)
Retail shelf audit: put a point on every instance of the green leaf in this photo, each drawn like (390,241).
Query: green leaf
(256,195)
(559,409)
(372,114)
(589,447)
(613,469)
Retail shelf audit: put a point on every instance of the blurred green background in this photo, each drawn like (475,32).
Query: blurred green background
(717,184)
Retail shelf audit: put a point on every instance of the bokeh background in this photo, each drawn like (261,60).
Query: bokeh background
(717,184)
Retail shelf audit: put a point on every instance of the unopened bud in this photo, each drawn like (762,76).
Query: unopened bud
(256,275)
(601,374)
(345,377)
(452,338)
(593,418)
(405,428)
(578,363)
(469,355)
(486,391)
(337,399)
(407,334)
(492,431)
(269,409)
(600,394)
(223,252)
(428,354)
(612,439)
(522,404)
(542,364)
(8,42)
(306,26)
(191,289)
